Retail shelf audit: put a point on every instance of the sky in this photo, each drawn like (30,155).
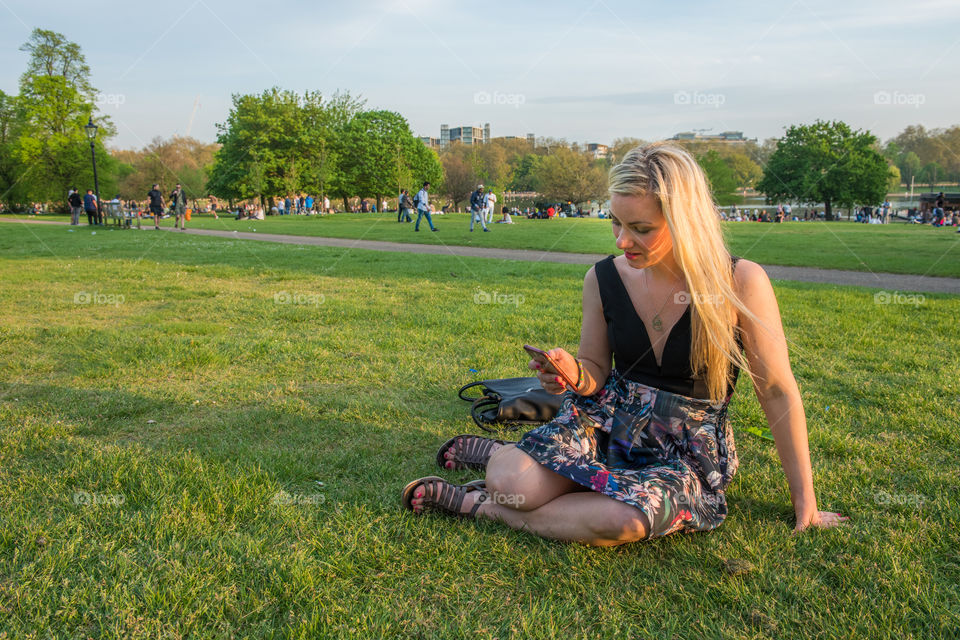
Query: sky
(587,71)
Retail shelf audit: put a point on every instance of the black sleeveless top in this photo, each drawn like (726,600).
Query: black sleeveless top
(633,355)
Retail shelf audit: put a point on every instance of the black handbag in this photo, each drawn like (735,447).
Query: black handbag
(510,403)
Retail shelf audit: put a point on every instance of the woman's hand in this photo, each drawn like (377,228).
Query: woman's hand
(549,378)
(820,520)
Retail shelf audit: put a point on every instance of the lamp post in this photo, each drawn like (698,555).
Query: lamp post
(91,130)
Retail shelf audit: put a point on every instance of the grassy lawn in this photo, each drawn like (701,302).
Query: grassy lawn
(894,248)
(170,405)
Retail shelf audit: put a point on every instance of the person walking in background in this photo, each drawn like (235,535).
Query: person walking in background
(489,202)
(156,205)
(288,205)
(92,207)
(308,203)
(476,208)
(76,206)
(422,203)
(404,207)
(178,200)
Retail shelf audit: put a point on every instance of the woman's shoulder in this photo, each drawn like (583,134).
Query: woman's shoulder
(747,273)
(752,286)
(601,267)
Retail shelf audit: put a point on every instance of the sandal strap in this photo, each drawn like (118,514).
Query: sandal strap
(476,452)
(444,496)
(478,503)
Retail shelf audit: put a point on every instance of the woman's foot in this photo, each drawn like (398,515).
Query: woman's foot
(467,452)
(436,494)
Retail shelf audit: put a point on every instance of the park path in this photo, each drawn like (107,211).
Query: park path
(892,282)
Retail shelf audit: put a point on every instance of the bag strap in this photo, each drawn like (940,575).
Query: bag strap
(468,386)
(477,409)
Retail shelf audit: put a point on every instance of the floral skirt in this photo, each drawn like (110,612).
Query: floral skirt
(669,455)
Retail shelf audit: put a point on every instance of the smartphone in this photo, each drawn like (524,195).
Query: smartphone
(543,357)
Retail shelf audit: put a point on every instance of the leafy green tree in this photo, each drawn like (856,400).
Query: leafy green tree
(723,180)
(893,178)
(51,54)
(259,146)
(746,172)
(377,150)
(826,162)
(11,189)
(910,166)
(324,123)
(931,174)
(52,146)
(525,173)
(567,176)
(45,148)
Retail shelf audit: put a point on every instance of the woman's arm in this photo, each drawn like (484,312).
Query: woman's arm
(594,353)
(765,347)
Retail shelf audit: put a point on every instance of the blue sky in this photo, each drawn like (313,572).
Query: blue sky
(589,71)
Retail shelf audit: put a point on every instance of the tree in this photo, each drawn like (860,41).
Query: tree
(377,149)
(746,172)
(570,177)
(11,191)
(44,143)
(722,179)
(52,146)
(51,54)
(323,127)
(826,162)
(910,166)
(893,178)
(259,146)
(931,173)
(459,178)
(525,173)
(167,161)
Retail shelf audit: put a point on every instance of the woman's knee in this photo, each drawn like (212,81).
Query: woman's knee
(625,524)
(506,469)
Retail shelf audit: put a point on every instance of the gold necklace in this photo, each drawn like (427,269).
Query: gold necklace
(657,322)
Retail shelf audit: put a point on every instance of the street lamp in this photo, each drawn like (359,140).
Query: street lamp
(91,130)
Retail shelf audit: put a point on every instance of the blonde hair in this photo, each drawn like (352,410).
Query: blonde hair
(672,176)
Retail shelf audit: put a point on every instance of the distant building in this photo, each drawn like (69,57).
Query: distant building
(726,136)
(463,135)
(529,138)
(598,150)
(469,136)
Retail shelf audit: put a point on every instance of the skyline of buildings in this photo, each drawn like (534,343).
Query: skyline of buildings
(471,135)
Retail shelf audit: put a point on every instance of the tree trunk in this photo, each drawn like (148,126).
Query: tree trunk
(827,210)
(346,205)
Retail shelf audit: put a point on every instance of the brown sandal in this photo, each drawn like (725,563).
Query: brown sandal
(447,498)
(474,455)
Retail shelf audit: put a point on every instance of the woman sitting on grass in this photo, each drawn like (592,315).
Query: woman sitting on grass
(642,447)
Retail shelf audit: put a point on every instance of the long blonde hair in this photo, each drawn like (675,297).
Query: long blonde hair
(672,176)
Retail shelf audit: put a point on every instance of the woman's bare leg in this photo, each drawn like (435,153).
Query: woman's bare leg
(517,480)
(527,496)
(585,516)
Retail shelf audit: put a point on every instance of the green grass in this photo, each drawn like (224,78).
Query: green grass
(894,248)
(196,397)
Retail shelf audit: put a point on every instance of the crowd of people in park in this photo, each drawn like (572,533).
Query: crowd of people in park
(124,212)
(936,216)
(482,209)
